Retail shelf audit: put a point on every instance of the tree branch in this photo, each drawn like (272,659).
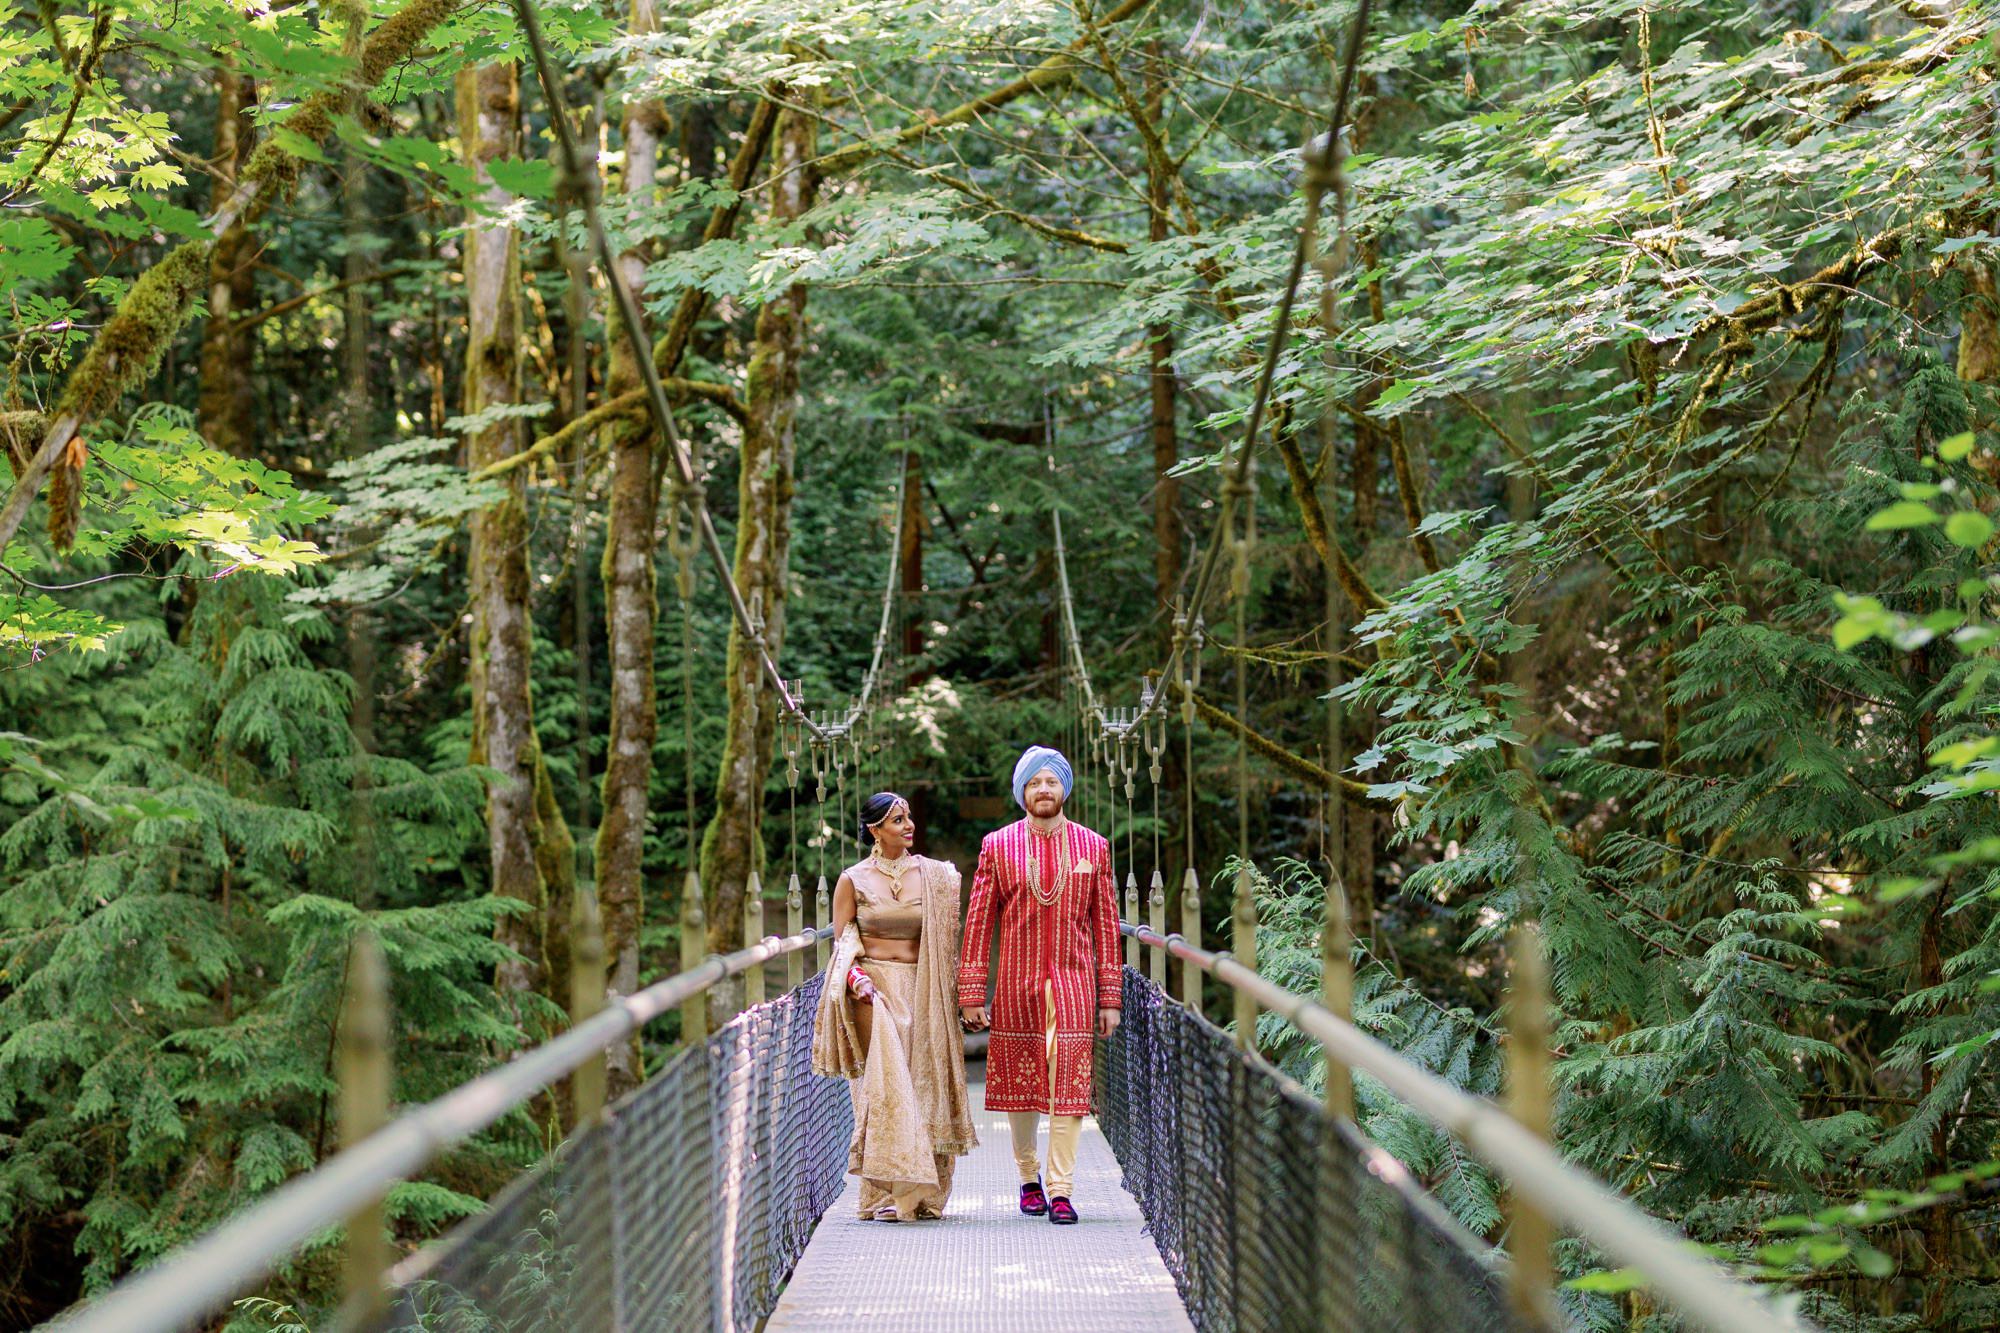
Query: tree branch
(1354,792)
(672,344)
(625,407)
(1055,72)
(1312,517)
(292,303)
(1158,159)
(965,187)
(132,342)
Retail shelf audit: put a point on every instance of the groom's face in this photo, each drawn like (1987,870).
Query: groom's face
(1044,795)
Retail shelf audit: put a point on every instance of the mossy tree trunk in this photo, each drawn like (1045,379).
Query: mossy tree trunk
(629,613)
(358,407)
(502,703)
(228,395)
(733,845)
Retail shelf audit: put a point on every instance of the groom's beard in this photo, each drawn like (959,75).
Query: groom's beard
(1045,811)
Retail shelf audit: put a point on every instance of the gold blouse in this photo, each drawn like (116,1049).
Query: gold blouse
(878,910)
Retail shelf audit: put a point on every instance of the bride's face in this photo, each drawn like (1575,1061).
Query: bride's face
(894,835)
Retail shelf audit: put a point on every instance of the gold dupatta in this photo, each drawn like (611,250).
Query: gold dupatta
(937,1061)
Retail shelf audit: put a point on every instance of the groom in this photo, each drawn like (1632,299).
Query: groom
(1046,884)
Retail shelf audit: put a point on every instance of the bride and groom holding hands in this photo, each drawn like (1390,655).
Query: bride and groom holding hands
(897,995)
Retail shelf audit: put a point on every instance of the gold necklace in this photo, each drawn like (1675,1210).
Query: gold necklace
(892,871)
(1060,883)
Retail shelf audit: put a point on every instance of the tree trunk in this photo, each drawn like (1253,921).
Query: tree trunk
(629,614)
(227,399)
(733,845)
(910,558)
(910,565)
(1160,354)
(576,380)
(361,627)
(502,635)
(1369,438)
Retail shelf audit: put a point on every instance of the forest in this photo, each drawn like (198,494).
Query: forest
(1614,550)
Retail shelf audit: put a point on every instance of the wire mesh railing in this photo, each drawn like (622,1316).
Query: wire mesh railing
(685,1207)
(1272,1212)
(695,1193)
(1269,1213)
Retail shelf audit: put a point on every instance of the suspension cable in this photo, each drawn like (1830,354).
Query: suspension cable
(1315,181)
(580,182)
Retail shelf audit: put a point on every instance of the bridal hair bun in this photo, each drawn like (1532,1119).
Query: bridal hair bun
(876,809)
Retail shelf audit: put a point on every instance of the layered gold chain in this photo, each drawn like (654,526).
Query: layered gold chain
(1060,883)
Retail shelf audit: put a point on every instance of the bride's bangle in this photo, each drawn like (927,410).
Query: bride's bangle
(858,980)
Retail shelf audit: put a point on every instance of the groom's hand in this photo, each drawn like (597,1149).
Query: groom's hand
(1107,1022)
(972,1017)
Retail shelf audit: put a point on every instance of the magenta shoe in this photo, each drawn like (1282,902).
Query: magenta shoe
(1062,1212)
(1033,1202)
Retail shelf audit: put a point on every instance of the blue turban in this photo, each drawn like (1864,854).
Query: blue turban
(1034,760)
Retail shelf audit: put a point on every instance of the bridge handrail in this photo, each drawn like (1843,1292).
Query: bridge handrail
(206,1274)
(1614,1224)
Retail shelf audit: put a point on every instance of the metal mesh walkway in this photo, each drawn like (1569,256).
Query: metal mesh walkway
(984,1266)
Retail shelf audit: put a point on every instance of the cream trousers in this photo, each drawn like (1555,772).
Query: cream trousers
(1064,1130)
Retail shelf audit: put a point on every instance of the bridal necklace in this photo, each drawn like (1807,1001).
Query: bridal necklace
(892,871)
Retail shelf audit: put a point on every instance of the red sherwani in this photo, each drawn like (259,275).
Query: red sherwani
(1072,942)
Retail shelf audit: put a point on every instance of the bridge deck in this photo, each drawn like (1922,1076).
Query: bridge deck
(984,1266)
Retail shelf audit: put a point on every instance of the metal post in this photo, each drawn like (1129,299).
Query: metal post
(822,917)
(1530,1233)
(1191,932)
(1243,945)
(364,1108)
(1156,917)
(795,921)
(586,999)
(694,947)
(753,930)
(1132,915)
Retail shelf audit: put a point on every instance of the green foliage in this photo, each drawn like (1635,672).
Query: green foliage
(174,924)
(1646,329)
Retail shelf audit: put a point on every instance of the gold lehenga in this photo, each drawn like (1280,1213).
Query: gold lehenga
(907,1075)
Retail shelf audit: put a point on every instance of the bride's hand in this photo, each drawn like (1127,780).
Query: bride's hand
(859,983)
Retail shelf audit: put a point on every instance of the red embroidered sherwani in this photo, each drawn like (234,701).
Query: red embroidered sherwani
(1072,943)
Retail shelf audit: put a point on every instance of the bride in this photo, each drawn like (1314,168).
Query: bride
(888,1019)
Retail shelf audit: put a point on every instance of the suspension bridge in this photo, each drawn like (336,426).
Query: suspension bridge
(1218,1193)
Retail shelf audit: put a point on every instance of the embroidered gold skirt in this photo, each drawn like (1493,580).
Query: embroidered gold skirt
(891,1149)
